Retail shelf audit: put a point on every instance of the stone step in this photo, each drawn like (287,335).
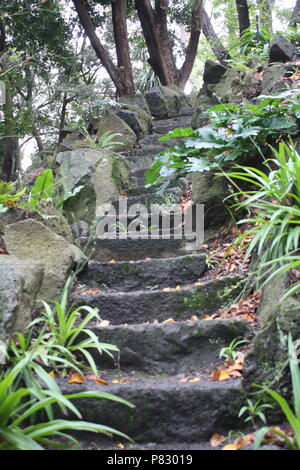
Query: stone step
(102,249)
(166,125)
(139,275)
(181,183)
(172,348)
(150,305)
(166,409)
(171,196)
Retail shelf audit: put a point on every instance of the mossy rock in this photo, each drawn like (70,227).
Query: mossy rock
(115,125)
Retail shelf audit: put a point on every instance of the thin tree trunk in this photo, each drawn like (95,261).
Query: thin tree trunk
(116,74)
(152,36)
(214,41)
(10,158)
(295,15)
(265,13)
(243,14)
(191,51)
(119,14)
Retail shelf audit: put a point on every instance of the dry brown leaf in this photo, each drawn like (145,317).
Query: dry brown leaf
(218,375)
(194,318)
(76,379)
(169,320)
(244,440)
(230,447)
(216,440)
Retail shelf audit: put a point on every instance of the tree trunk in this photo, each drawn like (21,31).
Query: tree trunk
(122,77)
(119,14)
(10,158)
(295,15)
(191,51)
(214,41)
(156,44)
(243,14)
(265,13)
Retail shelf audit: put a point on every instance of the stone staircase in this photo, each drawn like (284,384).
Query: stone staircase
(154,295)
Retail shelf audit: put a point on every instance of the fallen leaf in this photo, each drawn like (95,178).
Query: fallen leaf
(76,379)
(104,324)
(194,318)
(178,288)
(196,379)
(243,441)
(218,375)
(97,379)
(119,381)
(53,374)
(3,252)
(91,291)
(120,446)
(112,261)
(230,447)
(184,380)
(216,440)
(169,320)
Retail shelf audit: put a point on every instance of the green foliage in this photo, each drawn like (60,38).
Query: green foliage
(292,414)
(229,352)
(236,132)
(67,339)
(21,407)
(8,196)
(106,141)
(254,410)
(274,205)
(42,188)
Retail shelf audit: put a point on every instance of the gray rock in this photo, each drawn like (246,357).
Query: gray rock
(213,72)
(142,274)
(11,284)
(31,240)
(137,100)
(102,174)
(46,214)
(31,274)
(165,409)
(147,306)
(233,87)
(134,120)
(80,229)
(281,50)
(210,190)
(157,103)
(172,348)
(115,125)
(272,80)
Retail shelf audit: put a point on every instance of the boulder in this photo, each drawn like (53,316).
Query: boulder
(234,86)
(11,284)
(46,214)
(102,173)
(157,103)
(115,125)
(139,122)
(281,50)
(272,80)
(213,72)
(201,116)
(137,100)
(31,240)
(210,190)
(30,273)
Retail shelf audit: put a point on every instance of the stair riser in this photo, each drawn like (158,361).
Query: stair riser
(143,306)
(170,348)
(166,413)
(129,249)
(143,274)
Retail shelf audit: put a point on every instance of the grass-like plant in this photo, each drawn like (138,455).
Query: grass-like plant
(274,205)
(21,408)
(67,337)
(254,410)
(292,413)
(229,352)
